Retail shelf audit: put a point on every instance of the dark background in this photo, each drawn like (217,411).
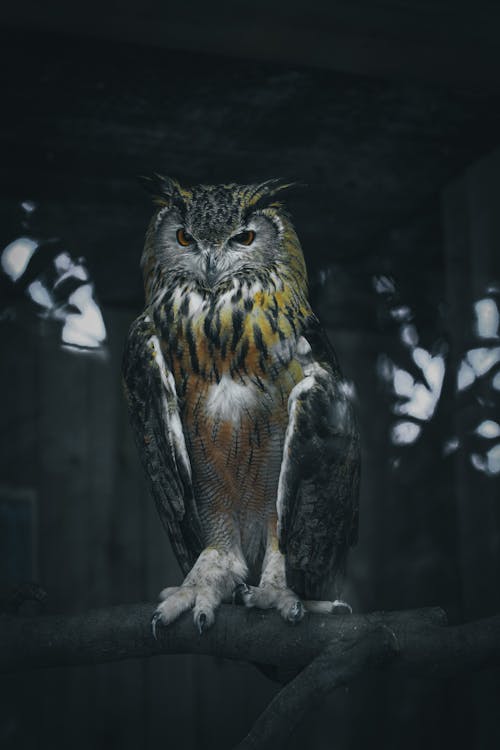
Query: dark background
(388,115)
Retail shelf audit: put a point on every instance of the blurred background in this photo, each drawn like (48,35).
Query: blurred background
(388,115)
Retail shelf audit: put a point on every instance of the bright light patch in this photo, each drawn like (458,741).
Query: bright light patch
(421,399)
(17,255)
(40,294)
(432,367)
(401,313)
(483,359)
(409,335)
(28,206)
(385,367)
(86,328)
(403,383)
(405,433)
(450,446)
(383,285)
(496,381)
(489,464)
(493,460)
(487,318)
(68,269)
(478,461)
(420,405)
(488,429)
(465,376)
(62,262)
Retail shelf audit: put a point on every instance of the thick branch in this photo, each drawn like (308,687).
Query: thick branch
(331,650)
(333,667)
(252,635)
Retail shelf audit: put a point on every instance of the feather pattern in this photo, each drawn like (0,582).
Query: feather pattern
(241,417)
(152,400)
(319,481)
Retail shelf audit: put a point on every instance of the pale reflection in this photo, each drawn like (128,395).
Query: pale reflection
(450,446)
(476,366)
(401,313)
(405,433)
(86,327)
(62,289)
(68,269)
(486,314)
(488,429)
(465,376)
(16,256)
(383,284)
(483,359)
(409,336)
(40,294)
(489,463)
(416,399)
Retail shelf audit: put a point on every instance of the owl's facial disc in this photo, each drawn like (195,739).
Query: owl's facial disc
(212,255)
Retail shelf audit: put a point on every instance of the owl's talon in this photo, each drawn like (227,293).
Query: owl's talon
(156,617)
(240,594)
(201,622)
(297,612)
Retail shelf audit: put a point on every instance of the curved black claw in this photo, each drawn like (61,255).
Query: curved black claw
(201,622)
(296,612)
(155,619)
(239,593)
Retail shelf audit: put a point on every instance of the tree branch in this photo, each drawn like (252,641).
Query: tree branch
(331,650)
(425,646)
(333,667)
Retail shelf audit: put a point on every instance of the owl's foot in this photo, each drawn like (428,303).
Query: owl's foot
(178,599)
(267,596)
(337,607)
(210,581)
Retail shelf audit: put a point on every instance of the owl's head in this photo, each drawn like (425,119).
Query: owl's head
(212,234)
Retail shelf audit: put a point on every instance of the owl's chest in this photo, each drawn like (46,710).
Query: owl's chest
(230,338)
(235,434)
(234,367)
(233,416)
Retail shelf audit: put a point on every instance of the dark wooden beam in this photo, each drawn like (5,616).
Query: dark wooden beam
(442,43)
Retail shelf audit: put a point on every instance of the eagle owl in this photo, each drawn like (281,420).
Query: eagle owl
(242,419)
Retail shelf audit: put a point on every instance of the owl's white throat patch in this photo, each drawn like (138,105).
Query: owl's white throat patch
(227,399)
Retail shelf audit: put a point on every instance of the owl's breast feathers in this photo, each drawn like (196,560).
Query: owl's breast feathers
(233,359)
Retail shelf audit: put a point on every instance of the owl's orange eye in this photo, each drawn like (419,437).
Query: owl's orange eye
(184,238)
(245,238)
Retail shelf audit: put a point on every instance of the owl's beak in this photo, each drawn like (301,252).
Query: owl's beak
(211,270)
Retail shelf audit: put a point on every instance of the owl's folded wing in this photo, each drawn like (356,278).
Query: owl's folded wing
(152,400)
(319,481)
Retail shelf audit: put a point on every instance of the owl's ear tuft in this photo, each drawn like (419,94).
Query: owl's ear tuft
(165,190)
(263,194)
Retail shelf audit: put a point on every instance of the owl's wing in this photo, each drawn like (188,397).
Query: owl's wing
(152,400)
(319,481)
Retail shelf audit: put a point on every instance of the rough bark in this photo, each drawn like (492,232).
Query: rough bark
(330,650)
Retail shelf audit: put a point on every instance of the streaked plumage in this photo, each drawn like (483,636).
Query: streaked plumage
(242,419)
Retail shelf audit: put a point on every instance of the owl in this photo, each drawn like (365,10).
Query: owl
(242,419)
